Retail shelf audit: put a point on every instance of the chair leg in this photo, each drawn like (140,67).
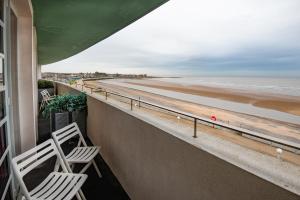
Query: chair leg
(72,167)
(78,196)
(42,104)
(85,168)
(56,167)
(82,195)
(97,169)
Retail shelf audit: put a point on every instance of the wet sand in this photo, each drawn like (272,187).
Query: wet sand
(288,104)
(258,124)
(269,127)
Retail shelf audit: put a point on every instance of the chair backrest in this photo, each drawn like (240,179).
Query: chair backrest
(45,94)
(66,133)
(27,161)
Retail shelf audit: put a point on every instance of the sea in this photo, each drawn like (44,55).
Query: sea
(271,85)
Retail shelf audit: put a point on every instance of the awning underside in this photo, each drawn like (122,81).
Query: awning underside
(67,27)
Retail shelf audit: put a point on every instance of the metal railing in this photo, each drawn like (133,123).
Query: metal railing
(267,139)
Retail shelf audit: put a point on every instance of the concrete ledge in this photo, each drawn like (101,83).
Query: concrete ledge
(154,161)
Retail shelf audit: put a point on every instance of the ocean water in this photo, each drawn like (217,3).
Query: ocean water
(270,85)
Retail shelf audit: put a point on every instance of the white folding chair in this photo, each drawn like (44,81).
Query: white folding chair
(46,98)
(80,154)
(57,185)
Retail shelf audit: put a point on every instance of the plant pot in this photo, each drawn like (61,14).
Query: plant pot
(50,90)
(59,120)
(80,118)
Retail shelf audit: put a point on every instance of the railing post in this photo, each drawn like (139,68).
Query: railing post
(131,101)
(139,102)
(195,127)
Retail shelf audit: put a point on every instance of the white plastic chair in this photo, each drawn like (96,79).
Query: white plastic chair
(57,185)
(46,98)
(80,154)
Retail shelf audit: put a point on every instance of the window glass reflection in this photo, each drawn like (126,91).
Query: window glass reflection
(2,140)
(1,40)
(1,74)
(1,10)
(2,105)
(4,175)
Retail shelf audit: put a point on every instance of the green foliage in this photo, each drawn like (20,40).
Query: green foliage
(65,103)
(44,84)
(71,82)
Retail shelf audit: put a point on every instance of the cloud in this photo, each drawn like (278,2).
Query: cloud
(194,36)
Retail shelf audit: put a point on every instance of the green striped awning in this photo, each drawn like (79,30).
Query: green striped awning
(67,27)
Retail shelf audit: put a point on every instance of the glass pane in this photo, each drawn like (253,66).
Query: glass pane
(2,139)
(1,40)
(4,175)
(1,10)
(2,105)
(1,74)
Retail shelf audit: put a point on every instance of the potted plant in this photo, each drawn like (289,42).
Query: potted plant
(66,109)
(72,82)
(45,85)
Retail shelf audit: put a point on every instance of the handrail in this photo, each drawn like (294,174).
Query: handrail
(196,118)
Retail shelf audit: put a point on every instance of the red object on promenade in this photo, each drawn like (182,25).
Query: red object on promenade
(213,117)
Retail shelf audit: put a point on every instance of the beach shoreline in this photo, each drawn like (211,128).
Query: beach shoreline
(287,104)
(255,123)
(274,128)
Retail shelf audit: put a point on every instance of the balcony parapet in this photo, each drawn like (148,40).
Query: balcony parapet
(141,148)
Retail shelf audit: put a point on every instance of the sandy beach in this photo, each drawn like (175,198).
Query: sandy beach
(269,127)
(266,126)
(288,104)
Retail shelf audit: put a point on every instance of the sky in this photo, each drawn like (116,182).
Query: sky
(200,37)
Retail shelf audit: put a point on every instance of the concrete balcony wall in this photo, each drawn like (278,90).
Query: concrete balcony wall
(153,164)
(24,78)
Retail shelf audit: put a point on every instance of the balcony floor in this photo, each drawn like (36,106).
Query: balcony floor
(94,188)
(108,187)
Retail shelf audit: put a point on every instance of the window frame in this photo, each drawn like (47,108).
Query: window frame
(6,88)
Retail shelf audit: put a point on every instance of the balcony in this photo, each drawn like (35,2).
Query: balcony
(147,151)
(153,158)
